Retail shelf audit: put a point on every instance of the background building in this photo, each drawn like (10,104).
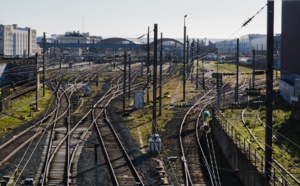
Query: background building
(247,44)
(71,37)
(226,47)
(16,42)
(77,37)
(290,51)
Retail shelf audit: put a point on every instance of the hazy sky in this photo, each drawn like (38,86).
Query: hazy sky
(131,18)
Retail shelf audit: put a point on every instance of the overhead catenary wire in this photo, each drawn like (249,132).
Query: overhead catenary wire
(250,19)
(245,23)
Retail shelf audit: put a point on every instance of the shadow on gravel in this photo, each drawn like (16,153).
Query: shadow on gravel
(140,159)
(149,171)
(187,132)
(92,169)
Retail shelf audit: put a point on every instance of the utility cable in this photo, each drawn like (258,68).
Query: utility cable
(244,24)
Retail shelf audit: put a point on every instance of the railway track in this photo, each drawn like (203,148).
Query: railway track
(120,166)
(189,138)
(278,177)
(193,156)
(63,138)
(12,147)
(65,141)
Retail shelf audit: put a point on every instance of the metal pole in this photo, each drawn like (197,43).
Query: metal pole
(203,82)
(187,56)
(37,82)
(219,89)
(142,64)
(44,69)
(184,57)
(60,65)
(236,95)
(148,65)
(160,74)
(253,64)
(192,60)
(28,42)
(154,79)
(129,79)
(124,82)
(269,80)
(197,65)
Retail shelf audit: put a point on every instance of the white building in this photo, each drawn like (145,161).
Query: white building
(76,37)
(245,44)
(15,41)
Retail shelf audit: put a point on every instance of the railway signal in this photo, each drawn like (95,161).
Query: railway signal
(205,117)
(218,76)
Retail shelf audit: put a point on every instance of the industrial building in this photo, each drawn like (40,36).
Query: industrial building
(17,42)
(290,48)
(247,43)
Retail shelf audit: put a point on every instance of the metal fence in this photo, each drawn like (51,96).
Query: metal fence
(279,175)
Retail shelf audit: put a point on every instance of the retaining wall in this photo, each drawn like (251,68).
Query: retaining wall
(247,172)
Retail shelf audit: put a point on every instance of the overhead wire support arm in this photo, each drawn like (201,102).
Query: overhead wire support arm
(247,22)
(250,19)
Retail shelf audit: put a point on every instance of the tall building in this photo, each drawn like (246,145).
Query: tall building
(15,41)
(290,51)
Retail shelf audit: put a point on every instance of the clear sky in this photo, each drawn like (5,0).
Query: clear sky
(131,18)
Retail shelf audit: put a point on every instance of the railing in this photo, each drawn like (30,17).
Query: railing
(253,154)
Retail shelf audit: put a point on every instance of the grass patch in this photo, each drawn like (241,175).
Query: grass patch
(20,112)
(283,125)
(140,121)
